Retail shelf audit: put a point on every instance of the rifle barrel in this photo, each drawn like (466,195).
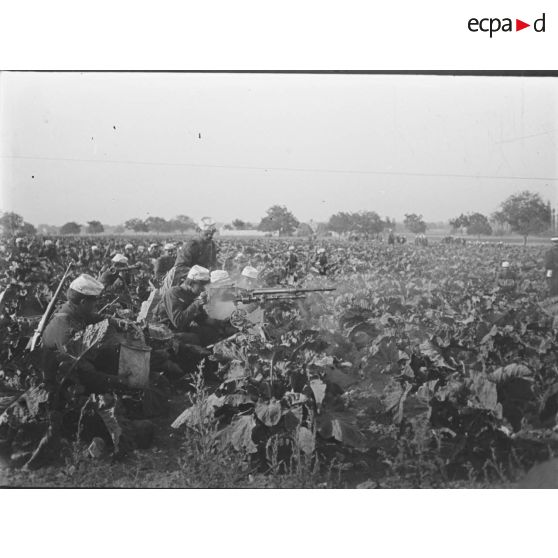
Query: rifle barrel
(42,323)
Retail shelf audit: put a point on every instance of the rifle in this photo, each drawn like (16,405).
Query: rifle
(262,295)
(114,269)
(42,323)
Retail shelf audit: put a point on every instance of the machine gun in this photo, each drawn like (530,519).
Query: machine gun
(239,317)
(113,269)
(291,293)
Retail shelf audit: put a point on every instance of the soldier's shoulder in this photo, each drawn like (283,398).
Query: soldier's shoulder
(175,292)
(60,320)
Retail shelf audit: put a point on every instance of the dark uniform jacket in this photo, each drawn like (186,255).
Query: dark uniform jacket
(64,324)
(179,308)
(507,283)
(162,265)
(551,260)
(292,262)
(551,263)
(109,277)
(196,251)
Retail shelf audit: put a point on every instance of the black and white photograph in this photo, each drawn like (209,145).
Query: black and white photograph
(278,280)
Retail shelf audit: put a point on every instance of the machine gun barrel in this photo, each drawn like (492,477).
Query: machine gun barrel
(134,267)
(279,294)
(289,290)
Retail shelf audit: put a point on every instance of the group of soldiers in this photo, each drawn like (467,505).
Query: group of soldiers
(182,283)
(185,283)
(184,279)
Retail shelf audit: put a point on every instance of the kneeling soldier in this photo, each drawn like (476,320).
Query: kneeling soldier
(74,316)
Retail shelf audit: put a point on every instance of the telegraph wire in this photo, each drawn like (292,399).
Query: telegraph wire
(281,169)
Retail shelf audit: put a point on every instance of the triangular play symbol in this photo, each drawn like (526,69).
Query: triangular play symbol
(519,25)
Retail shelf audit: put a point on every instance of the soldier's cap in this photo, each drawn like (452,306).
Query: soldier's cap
(291,248)
(119,258)
(554,239)
(129,247)
(153,245)
(220,278)
(18,240)
(206,224)
(199,274)
(321,250)
(48,242)
(239,256)
(87,285)
(505,264)
(169,246)
(250,272)
(94,248)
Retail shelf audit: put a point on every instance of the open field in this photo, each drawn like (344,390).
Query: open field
(416,372)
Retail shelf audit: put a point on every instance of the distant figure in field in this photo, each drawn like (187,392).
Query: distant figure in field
(551,266)
(506,282)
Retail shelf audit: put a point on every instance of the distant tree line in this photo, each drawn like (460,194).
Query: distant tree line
(524,213)
(13,224)
(181,223)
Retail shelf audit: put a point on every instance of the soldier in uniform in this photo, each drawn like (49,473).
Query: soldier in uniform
(154,251)
(75,315)
(291,265)
(48,250)
(163,264)
(110,275)
(321,261)
(506,282)
(248,278)
(551,266)
(182,308)
(129,253)
(200,251)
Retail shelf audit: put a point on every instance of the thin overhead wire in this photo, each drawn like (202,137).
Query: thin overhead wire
(282,169)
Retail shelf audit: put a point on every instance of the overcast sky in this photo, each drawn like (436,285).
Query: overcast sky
(116,146)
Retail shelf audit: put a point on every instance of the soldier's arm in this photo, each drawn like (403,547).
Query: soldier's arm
(56,336)
(157,268)
(181,316)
